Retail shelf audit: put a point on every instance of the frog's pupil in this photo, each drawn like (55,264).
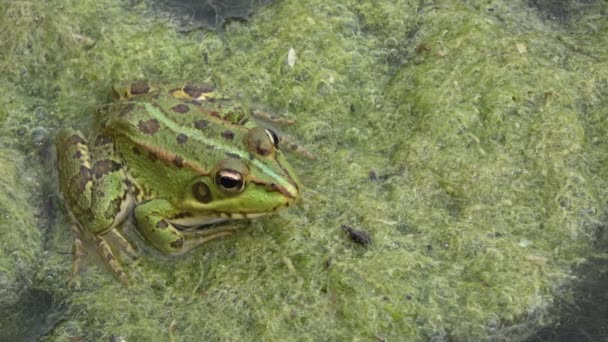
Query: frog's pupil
(229,182)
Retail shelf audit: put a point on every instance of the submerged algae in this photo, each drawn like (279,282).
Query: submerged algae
(486,130)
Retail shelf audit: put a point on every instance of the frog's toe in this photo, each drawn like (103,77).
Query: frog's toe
(74,283)
(296,148)
(122,243)
(265,116)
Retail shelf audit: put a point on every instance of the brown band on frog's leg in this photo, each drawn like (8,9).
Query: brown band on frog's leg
(122,242)
(108,257)
(77,256)
(289,144)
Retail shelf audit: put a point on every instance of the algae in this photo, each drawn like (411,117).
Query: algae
(20,241)
(467,138)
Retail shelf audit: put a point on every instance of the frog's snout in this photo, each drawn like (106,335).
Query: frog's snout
(290,190)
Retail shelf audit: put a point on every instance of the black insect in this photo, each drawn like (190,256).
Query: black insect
(358,236)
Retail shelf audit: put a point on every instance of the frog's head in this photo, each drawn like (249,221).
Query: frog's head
(253,181)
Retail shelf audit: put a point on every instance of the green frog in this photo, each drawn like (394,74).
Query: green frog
(182,158)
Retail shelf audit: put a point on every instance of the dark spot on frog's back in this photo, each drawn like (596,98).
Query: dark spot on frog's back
(104,167)
(149,126)
(201,124)
(136,150)
(180,108)
(139,87)
(233,155)
(228,135)
(181,138)
(178,161)
(162,224)
(196,90)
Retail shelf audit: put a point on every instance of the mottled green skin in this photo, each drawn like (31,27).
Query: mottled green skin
(161,149)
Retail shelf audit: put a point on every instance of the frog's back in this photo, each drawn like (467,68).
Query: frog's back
(168,131)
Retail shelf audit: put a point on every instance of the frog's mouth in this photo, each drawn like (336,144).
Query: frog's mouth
(215,223)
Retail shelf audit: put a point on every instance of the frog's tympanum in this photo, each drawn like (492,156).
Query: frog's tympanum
(181,158)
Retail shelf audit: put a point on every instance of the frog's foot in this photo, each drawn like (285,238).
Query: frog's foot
(271,119)
(195,238)
(122,243)
(108,257)
(77,255)
(152,222)
(289,143)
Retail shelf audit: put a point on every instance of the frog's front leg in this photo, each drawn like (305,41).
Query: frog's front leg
(93,185)
(154,224)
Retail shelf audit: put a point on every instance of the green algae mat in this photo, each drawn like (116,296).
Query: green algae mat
(464,144)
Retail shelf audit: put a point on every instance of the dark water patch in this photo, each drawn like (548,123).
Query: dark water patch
(211,14)
(584,315)
(562,11)
(32,317)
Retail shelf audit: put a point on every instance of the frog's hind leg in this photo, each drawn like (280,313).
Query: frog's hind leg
(92,181)
(77,256)
(289,143)
(108,257)
(258,114)
(125,246)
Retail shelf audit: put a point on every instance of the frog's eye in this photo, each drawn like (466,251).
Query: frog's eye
(260,141)
(273,137)
(229,181)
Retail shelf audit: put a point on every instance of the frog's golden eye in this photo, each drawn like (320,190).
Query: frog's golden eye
(273,137)
(229,181)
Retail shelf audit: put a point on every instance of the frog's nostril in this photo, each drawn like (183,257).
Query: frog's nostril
(272,187)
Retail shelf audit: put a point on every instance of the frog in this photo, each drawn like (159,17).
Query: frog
(181,158)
